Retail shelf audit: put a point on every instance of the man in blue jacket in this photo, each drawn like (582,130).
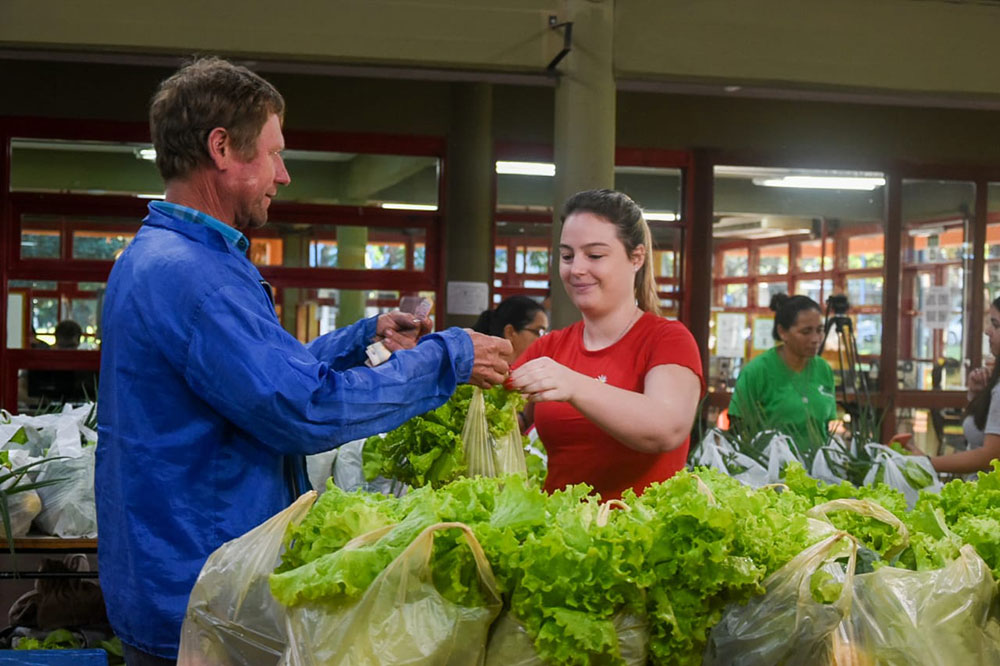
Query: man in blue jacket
(206,403)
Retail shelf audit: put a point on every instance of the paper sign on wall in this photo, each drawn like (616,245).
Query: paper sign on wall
(937,307)
(468,298)
(762,333)
(729,340)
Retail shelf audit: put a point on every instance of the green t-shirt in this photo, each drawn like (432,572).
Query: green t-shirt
(786,400)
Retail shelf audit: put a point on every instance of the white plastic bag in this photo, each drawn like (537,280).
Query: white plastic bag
(779,453)
(907,474)
(822,470)
(716,452)
(68,508)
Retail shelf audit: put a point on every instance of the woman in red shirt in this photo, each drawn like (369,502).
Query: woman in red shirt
(613,397)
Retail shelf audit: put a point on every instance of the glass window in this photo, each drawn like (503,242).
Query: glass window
(656,190)
(101,245)
(736,263)
(737,296)
(935,262)
(93,238)
(822,229)
(867,251)
(815,256)
(817,290)
(39,306)
(319,246)
(765,290)
(773,259)
(40,243)
(865,291)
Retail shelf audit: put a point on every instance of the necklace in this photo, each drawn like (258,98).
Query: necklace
(634,318)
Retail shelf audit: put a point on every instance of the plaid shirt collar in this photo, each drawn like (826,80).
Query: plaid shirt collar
(233,236)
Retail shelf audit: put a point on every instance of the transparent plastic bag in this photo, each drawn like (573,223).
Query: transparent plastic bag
(401,619)
(23,507)
(510,451)
(786,625)
(232,619)
(480,457)
(938,617)
(510,645)
(907,474)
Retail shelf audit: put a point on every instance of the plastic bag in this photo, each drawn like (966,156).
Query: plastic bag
(400,619)
(232,619)
(716,452)
(480,457)
(23,507)
(510,451)
(510,645)
(779,453)
(934,618)
(827,460)
(786,625)
(68,508)
(907,474)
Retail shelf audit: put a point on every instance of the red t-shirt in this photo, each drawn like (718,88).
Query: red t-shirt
(579,451)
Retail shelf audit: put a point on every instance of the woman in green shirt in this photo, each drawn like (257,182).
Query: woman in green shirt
(789,387)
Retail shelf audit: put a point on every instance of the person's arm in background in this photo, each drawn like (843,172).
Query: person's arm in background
(973,460)
(978,459)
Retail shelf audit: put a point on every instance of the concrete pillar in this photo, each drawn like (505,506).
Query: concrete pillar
(469,199)
(352,244)
(584,124)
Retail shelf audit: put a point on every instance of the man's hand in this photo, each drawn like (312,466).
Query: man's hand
(491,364)
(399,330)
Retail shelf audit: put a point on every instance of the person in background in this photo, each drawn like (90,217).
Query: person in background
(981,425)
(613,396)
(68,334)
(207,405)
(789,387)
(519,319)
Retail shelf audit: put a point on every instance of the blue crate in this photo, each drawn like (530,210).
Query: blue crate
(54,657)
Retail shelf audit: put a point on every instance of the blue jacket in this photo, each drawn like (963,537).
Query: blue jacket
(203,396)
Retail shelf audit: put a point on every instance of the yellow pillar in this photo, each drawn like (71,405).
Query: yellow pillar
(352,244)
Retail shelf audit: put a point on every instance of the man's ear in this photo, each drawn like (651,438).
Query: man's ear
(219,147)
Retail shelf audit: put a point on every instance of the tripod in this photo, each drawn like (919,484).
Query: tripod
(854,391)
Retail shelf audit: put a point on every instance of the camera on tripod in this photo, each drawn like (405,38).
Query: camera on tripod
(838,303)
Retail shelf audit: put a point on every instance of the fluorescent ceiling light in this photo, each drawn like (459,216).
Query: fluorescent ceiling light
(150,195)
(822,182)
(146,154)
(659,216)
(407,206)
(526,169)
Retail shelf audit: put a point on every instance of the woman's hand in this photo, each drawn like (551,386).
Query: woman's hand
(544,380)
(978,379)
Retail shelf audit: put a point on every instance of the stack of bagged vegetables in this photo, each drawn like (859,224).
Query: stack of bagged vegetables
(700,568)
(759,457)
